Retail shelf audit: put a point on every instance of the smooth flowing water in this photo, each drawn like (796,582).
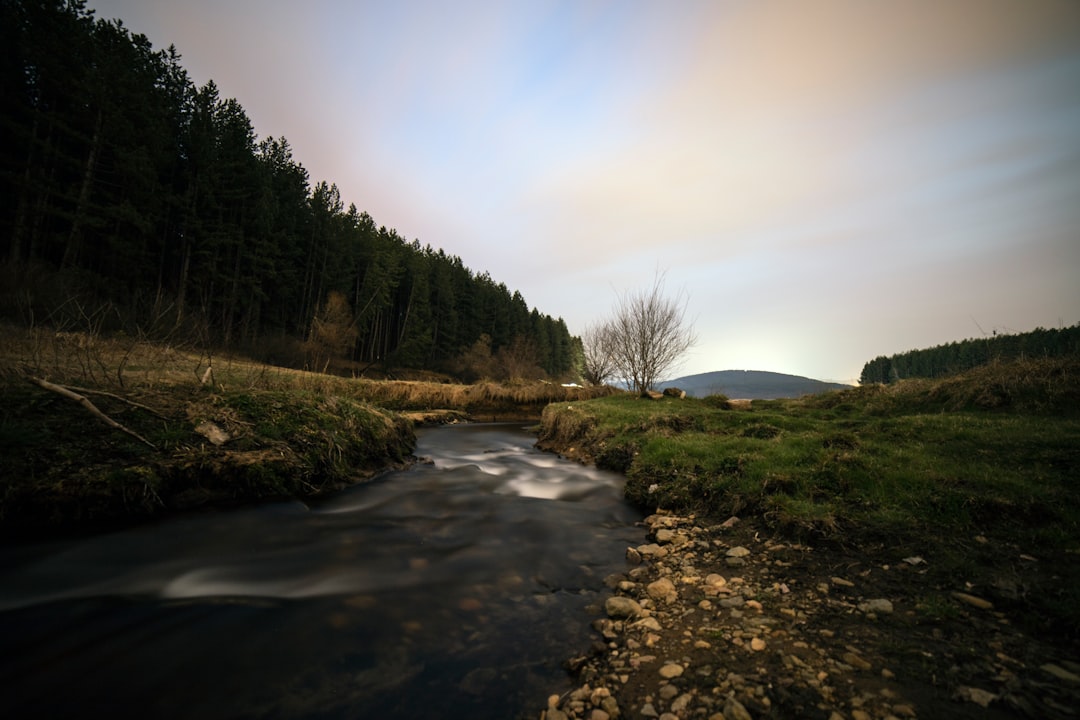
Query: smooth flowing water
(453,589)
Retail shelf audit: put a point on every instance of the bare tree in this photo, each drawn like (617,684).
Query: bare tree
(333,332)
(649,334)
(597,345)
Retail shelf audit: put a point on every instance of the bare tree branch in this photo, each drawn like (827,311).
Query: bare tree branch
(85,402)
(648,335)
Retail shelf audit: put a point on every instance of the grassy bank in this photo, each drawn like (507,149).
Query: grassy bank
(199,430)
(973,471)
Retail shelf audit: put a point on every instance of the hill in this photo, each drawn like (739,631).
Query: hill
(750,384)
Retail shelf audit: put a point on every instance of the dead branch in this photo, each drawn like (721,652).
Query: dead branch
(132,403)
(85,402)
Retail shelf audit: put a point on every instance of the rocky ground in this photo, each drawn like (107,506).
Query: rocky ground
(727,622)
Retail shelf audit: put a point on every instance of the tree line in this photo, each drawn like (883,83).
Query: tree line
(126,184)
(957,357)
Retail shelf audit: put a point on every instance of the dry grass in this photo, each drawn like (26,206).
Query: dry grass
(82,359)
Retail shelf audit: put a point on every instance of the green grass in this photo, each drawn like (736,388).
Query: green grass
(924,466)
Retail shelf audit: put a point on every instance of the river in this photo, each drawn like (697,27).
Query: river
(453,589)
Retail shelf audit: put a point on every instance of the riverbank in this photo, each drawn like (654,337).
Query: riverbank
(729,620)
(899,552)
(96,433)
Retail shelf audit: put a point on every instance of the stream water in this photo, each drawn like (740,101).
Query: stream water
(453,589)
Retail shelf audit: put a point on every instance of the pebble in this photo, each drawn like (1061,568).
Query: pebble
(980,697)
(735,710)
(671,670)
(663,589)
(1060,673)
(705,623)
(877,605)
(617,606)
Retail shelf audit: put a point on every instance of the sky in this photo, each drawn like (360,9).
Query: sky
(820,182)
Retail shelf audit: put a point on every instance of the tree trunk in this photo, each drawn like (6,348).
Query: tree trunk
(74,244)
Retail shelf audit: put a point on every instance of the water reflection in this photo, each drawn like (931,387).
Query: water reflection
(452,589)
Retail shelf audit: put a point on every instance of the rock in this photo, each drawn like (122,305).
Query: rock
(973,601)
(671,670)
(980,697)
(841,582)
(649,623)
(610,706)
(757,644)
(880,606)
(598,714)
(734,710)
(737,552)
(652,395)
(652,550)
(662,589)
(617,606)
(633,556)
(212,432)
(647,710)
(681,703)
(714,580)
(555,714)
(855,661)
(674,392)
(1060,673)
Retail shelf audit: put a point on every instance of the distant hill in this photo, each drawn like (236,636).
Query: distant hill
(750,384)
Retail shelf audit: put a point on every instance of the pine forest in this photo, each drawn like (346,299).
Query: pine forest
(136,202)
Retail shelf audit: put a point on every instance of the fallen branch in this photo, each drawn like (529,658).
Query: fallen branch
(85,402)
(132,403)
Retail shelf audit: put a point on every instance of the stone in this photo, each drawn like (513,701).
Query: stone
(212,432)
(665,536)
(841,582)
(647,710)
(1060,673)
(598,714)
(674,392)
(679,704)
(617,606)
(652,550)
(757,644)
(610,706)
(671,670)
(880,606)
(647,623)
(555,714)
(735,710)
(714,580)
(737,552)
(855,661)
(662,589)
(980,697)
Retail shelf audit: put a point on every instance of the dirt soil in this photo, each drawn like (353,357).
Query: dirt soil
(726,620)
